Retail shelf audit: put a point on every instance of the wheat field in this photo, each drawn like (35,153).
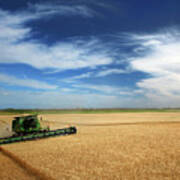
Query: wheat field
(123,146)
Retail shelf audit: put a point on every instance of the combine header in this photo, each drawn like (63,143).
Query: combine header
(29,128)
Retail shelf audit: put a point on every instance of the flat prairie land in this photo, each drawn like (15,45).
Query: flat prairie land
(123,146)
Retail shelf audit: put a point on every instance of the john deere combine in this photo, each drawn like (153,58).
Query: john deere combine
(29,127)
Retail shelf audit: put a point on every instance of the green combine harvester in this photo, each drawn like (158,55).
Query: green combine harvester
(29,128)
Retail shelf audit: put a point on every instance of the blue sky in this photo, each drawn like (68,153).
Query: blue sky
(89,54)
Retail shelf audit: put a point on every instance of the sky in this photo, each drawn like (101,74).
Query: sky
(89,54)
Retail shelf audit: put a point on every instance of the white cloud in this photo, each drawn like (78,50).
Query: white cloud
(110,71)
(66,10)
(81,76)
(105,89)
(161,62)
(62,56)
(11,80)
(11,27)
(12,23)
(97,73)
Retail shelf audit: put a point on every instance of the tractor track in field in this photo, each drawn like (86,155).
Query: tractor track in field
(29,170)
(118,124)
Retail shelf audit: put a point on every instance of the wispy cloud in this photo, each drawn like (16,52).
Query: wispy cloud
(110,71)
(95,74)
(81,76)
(35,84)
(65,55)
(106,89)
(161,61)
(61,9)
(12,23)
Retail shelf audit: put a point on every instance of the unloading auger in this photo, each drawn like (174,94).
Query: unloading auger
(29,128)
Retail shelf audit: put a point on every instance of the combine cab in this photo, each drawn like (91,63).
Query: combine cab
(29,127)
(27,124)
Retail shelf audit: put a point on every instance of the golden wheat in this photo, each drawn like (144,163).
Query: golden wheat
(9,170)
(107,151)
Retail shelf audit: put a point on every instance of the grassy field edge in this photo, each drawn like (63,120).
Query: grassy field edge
(80,111)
